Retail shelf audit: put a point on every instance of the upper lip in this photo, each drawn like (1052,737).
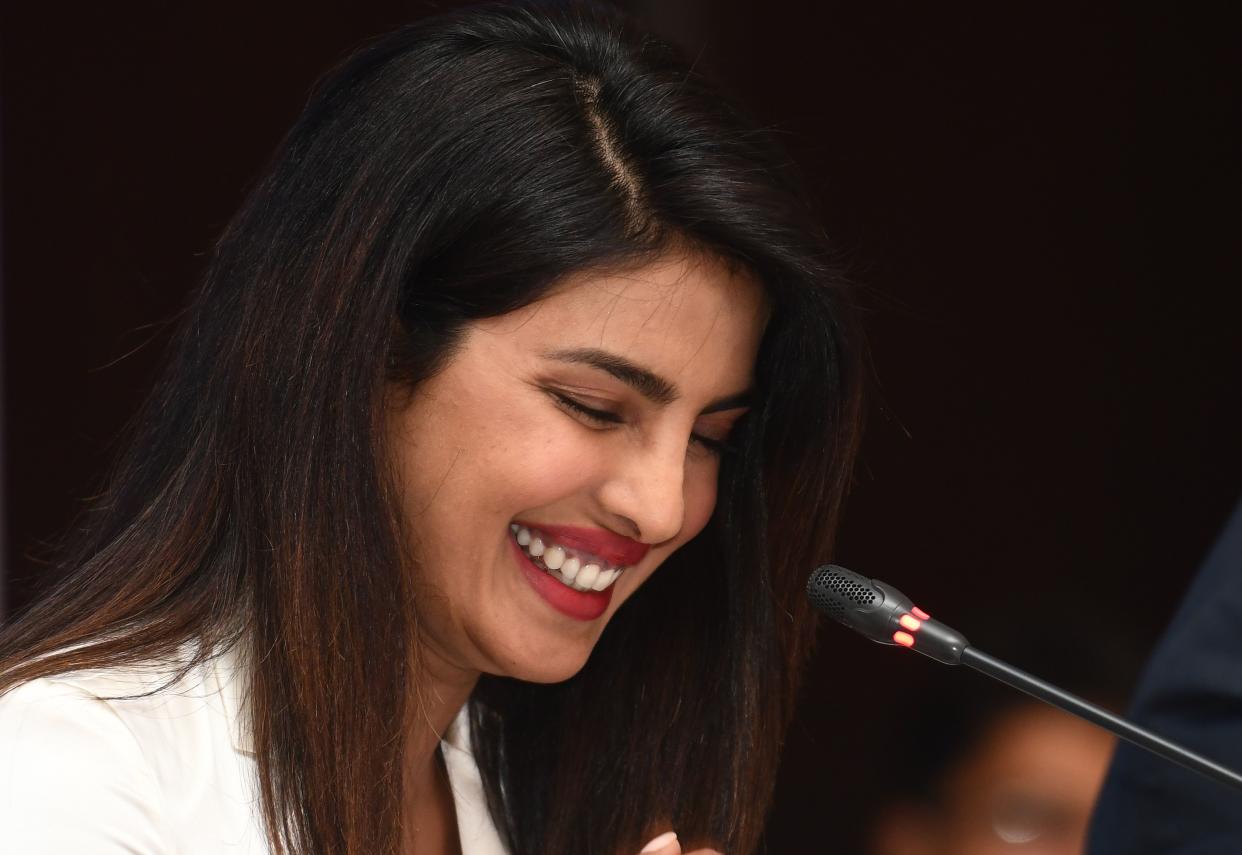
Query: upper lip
(614,548)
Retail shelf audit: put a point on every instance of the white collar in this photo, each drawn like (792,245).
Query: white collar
(230,680)
(476,830)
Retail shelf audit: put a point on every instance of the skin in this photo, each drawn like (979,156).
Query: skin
(491,439)
(1034,762)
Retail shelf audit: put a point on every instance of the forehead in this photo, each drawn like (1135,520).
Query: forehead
(680,313)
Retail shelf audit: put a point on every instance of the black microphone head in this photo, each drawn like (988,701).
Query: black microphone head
(863,604)
(882,613)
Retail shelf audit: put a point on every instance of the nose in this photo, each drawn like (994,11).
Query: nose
(644,491)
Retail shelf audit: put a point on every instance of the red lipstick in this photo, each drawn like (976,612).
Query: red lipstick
(579,605)
(614,548)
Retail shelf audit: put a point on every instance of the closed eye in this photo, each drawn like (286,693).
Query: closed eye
(715,446)
(601,418)
(606,418)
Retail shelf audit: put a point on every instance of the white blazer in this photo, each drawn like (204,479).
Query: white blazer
(173,772)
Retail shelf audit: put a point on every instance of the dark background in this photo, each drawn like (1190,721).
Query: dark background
(1039,203)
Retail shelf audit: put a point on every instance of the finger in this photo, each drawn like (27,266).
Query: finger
(665,844)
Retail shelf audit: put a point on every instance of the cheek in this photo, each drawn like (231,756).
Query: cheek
(700,500)
(524,459)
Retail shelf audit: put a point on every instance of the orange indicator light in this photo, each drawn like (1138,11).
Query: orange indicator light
(905,639)
(920,614)
(910,622)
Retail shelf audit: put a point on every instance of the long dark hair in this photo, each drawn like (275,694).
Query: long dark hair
(456,170)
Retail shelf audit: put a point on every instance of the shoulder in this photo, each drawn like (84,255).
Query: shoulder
(72,775)
(119,760)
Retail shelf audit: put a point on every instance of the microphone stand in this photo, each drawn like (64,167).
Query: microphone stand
(885,615)
(1045,691)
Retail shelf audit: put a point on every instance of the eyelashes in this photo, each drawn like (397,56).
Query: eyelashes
(602,419)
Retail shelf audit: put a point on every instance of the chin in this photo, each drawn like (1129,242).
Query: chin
(549,667)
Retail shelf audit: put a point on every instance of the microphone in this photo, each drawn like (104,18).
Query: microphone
(887,616)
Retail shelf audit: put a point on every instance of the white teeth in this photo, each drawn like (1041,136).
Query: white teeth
(554,557)
(587,577)
(562,565)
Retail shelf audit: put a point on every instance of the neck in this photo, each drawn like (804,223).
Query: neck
(442,691)
(439,697)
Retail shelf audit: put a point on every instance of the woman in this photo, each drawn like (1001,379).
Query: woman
(495,448)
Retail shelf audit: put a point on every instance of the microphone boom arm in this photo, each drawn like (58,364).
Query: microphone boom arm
(885,615)
(995,668)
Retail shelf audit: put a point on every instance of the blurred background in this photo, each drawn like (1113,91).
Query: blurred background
(1038,203)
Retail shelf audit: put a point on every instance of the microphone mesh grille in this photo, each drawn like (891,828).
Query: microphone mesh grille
(848,589)
(833,590)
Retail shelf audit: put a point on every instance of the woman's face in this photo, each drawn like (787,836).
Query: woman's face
(572,437)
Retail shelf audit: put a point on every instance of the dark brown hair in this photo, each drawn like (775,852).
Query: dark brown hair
(455,170)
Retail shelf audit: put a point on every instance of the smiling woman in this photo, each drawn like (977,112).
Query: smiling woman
(473,509)
(561,420)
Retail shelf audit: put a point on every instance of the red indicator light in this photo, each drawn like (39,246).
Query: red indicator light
(920,614)
(905,639)
(909,622)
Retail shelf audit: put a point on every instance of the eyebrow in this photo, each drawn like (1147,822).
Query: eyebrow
(646,382)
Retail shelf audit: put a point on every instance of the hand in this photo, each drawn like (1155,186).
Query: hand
(668,844)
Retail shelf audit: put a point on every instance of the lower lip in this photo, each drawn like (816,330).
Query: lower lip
(579,605)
